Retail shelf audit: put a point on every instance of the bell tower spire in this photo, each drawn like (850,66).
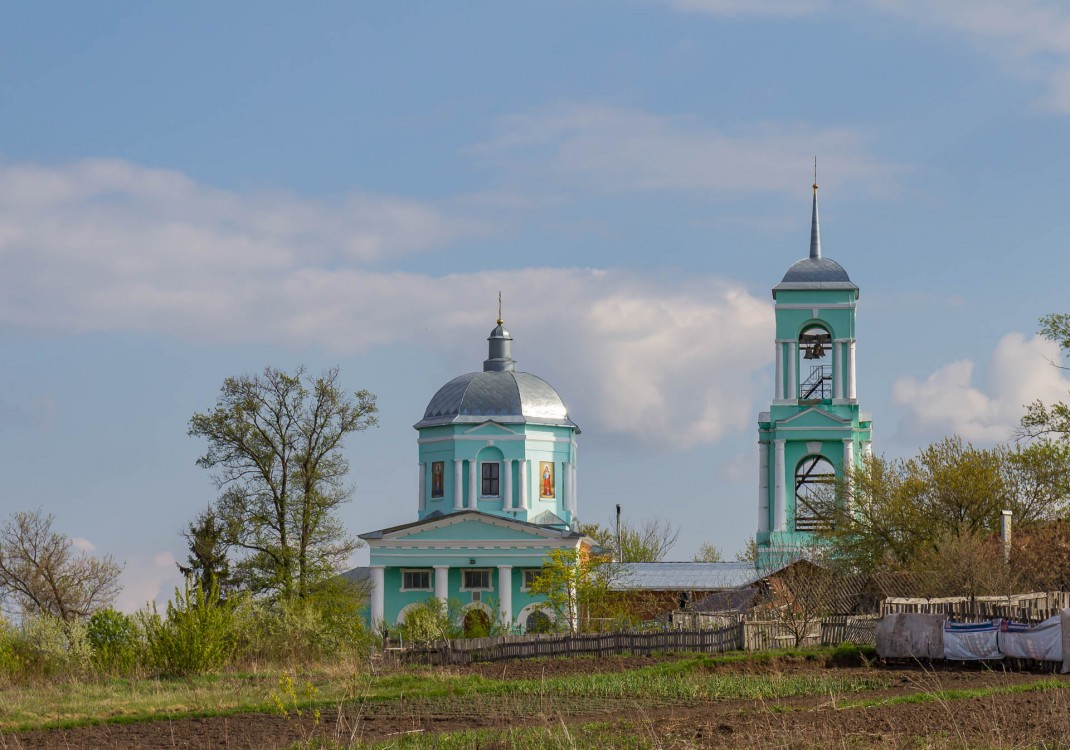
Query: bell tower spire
(815,224)
(500,352)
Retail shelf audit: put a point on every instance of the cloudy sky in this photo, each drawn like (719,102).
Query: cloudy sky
(189,192)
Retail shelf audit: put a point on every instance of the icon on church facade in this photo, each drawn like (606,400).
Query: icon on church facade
(546,479)
(437,470)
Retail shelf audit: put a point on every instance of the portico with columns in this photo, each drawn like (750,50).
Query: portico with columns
(496,491)
(814,431)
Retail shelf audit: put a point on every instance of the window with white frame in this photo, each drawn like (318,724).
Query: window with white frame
(491,471)
(529,577)
(475,579)
(416,580)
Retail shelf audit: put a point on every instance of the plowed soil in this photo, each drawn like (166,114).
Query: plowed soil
(1013,720)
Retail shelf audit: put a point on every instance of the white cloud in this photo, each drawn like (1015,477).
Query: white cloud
(1020,371)
(82,545)
(115,247)
(1030,36)
(147,578)
(616,149)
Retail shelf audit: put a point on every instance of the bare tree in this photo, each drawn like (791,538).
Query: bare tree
(42,573)
(802,590)
(650,541)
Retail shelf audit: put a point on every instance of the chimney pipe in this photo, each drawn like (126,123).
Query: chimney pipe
(1005,534)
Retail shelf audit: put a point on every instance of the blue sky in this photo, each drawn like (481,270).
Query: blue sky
(194,191)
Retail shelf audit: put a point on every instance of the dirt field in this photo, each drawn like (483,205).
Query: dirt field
(1020,719)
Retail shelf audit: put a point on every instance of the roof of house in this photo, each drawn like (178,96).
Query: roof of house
(684,576)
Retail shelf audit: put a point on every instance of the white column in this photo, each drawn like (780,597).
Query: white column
(848,465)
(377,600)
(423,487)
(778,383)
(458,484)
(507,484)
(442,583)
(837,370)
(763,487)
(523,485)
(867,448)
(575,489)
(792,385)
(473,484)
(851,393)
(505,594)
(781,507)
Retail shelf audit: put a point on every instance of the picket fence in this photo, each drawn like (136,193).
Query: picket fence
(742,635)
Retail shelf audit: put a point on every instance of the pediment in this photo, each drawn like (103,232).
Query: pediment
(469,526)
(490,429)
(815,416)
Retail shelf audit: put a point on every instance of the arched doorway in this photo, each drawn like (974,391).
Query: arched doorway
(815,494)
(476,623)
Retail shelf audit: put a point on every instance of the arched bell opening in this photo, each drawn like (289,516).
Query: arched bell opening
(815,494)
(815,365)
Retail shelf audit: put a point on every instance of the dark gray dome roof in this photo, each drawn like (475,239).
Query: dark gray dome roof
(499,396)
(816,273)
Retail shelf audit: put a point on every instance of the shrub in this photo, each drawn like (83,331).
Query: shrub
(199,634)
(116,641)
(47,646)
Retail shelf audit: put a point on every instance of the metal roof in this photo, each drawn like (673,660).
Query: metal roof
(819,273)
(500,396)
(684,576)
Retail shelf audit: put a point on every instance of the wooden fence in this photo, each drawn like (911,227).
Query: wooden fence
(1031,608)
(742,635)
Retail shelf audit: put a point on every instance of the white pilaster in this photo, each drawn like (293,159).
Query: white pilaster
(507,484)
(505,594)
(458,484)
(442,583)
(851,392)
(780,507)
(423,487)
(524,485)
(566,487)
(778,383)
(377,600)
(473,484)
(763,487)
(793,384)
(837,370)
(575,490)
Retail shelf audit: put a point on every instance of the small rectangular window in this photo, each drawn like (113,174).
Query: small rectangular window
(476,580)
(416,580)
(491,471)
(529,577)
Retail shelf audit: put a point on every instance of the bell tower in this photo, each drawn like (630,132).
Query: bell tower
(813,430)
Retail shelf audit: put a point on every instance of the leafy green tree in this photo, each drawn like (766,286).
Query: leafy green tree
(275,451)
(891,511)
(1049,419)
(573,582)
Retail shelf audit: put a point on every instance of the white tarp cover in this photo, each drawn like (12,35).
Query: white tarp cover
(1042,642)
(910,635)
(968,641)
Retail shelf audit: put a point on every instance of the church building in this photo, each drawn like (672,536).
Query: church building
(813,431)
(496,492)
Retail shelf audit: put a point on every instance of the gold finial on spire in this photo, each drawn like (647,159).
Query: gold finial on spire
(815,175)
(500,321)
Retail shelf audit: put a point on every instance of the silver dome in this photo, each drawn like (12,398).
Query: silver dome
(500,396)
(816,273)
